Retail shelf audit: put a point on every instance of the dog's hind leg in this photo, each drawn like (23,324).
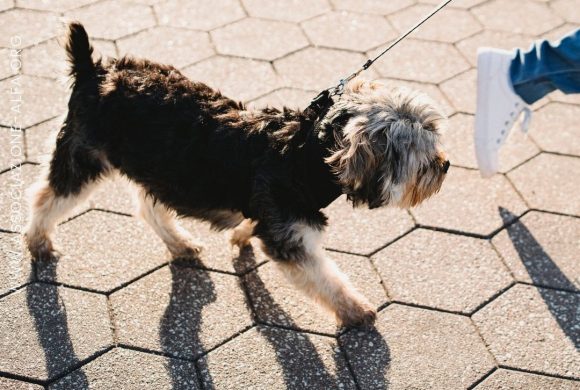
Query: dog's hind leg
(242,233)
(73,174)
(164,223)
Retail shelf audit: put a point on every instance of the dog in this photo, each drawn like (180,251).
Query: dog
(193,152)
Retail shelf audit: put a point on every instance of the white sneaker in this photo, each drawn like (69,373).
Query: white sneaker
(498,107)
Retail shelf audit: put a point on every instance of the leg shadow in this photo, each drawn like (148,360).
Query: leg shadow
(50,320)
(191,290)
(541,268)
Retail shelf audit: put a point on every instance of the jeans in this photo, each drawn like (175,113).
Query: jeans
(546,67)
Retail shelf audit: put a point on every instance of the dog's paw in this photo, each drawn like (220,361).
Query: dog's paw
(41,248)
(186,251)
(242,234)
(357,315)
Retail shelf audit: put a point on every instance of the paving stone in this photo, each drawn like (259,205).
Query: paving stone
(542,249)
(6,4)
(238,78)
(460,148)
(30,26)
(13,185)
(115,194)
(131,370)
(47,330)
(286,10)
(514,380)
(285,97)
(555,128)
(506,15)
(218,254)
(560,32)
(441,270)
(259,39)
(168,45)
(545,183)
(456,90)
(363,231)
(497,39)
(52,5)
(41,140)
(10,63)
(180,311)
(372,6)
(567,10)
(456,3)
(270,358)
(11,148)
(277,302)
(48,59)
(319,68)
(32,100)
(12,384)
(347,30)
(15,269)
(411,63)
(199,14)
(475,202)
(432,91)
(102,251)
(450,25)
(558,96)
(527,322)
(122,18)
(409,342)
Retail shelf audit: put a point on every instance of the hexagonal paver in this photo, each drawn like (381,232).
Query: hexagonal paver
(199,14)
(238,78)
(32,100)
(456,3)
(432,91)
(412,63)
(451,25)
(11,148)
(351,31)
(273,358)
(363,231)
(567,10)
(22,28)
(115,194)
(372,6)
(542,249)
(558,96)
(507,379)
(13,185)
(57,328)
(180,311)
(545,182)
(102,251)
(286,10)
(122,18)
(441,270)
(498,39)
(259,39)
(41,140)
(526,322)
(15,269)
(506,15)
(555,128)
(48,59)
(55,6)
(6,4)
(455,90)
(131,370)
(285,97)
(12,384)
(277,302)
(469,203)
(168,45)
(460,148)
(11,63)
(408,342)
(318,68)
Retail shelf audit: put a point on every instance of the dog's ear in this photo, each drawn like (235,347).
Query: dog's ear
(357,158)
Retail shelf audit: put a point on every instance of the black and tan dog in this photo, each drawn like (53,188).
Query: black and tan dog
(193,152)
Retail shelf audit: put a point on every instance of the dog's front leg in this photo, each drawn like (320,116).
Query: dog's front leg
(303,260)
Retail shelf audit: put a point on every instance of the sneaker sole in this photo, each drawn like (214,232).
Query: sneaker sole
(486,166)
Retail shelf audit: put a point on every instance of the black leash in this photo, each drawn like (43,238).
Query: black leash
(324,98)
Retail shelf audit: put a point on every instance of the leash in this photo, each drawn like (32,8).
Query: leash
(323,100)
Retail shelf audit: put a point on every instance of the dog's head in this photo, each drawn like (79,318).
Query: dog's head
(388,145)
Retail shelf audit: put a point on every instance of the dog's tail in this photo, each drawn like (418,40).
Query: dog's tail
(79,52)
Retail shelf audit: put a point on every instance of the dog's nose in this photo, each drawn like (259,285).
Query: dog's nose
(446,166)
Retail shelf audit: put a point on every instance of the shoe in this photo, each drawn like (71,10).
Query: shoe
(498,107)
